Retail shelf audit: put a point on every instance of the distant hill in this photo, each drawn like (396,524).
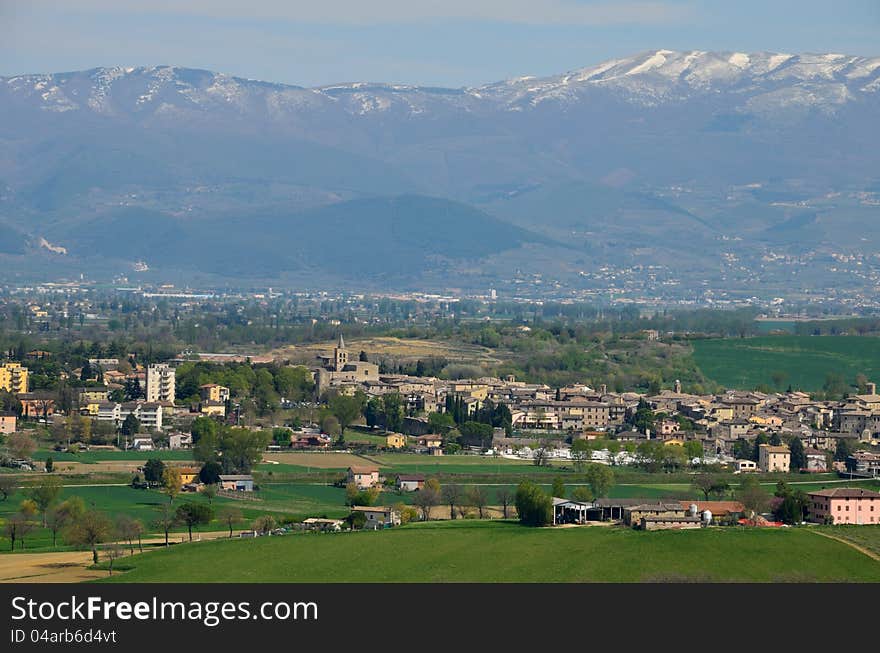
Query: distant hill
(395,237)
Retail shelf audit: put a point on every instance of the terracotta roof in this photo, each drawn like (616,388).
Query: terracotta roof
(846,493)
(363,470)
(717,508)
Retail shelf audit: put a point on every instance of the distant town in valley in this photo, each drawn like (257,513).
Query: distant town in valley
(157,432)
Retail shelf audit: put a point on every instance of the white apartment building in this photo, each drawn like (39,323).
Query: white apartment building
(160,383)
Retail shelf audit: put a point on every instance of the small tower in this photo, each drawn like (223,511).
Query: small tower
(340,354)
(677,386)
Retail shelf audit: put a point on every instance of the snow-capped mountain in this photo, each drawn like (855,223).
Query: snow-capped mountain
(760,80)
(602,150)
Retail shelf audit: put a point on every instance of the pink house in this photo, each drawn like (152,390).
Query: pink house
(363,477)
(845,505)
(7,424)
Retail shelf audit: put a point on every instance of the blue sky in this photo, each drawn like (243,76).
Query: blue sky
(430,42)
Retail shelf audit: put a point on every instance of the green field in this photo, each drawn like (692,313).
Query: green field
(804,360)
(106,455)
(283,500)
(470,551)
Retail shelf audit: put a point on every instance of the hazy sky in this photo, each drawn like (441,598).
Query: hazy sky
(448,42)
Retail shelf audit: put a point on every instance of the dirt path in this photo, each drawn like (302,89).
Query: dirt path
(73,566)
(855,546)
(64,567)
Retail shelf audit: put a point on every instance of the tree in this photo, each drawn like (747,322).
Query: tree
(793,507)
(131,425)
(281,436)
(428,497)
(7,486)
(798,456)
(505,497)
(210,493)
(49,465)
(209,474)
(754,498)
(61,516)
(478,498)
(601,480)
(582,493)
(558,487)
(130,529)
(719,489)
(206,439)
(452,495)
(843,450)
(21,445)
(171,483)
(17,526)
(703,483)
(440,422)
(194,514)
(392,409)
(89,530)
(113,552)
(356,520)
(346,409)
(535,508)
(643,418)
(44,494)
(165,519)
(581,451)
(693,449)
(330,426)
(476,434)
(264,524)
(241,449)
(153,471)
(230,517)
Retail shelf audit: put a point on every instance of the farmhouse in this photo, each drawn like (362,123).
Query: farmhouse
(410,482)
(633,515)
(658,523)
(363,477)
(843,505)
(378,516)
(237,482)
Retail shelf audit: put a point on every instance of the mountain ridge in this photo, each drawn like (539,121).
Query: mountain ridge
(614,164)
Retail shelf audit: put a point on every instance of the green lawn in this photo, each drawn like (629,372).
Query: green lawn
(804,360)
(294,501)
(470,551)
(100,455)
(867,537)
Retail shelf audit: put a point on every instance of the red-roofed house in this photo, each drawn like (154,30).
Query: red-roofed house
(844,505)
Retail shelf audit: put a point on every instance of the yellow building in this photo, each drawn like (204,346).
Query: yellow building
(13,378)
(214,392)
(92,408)
(395,441)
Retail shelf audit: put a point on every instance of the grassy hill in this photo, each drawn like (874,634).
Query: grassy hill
(803,360)
(469,551)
